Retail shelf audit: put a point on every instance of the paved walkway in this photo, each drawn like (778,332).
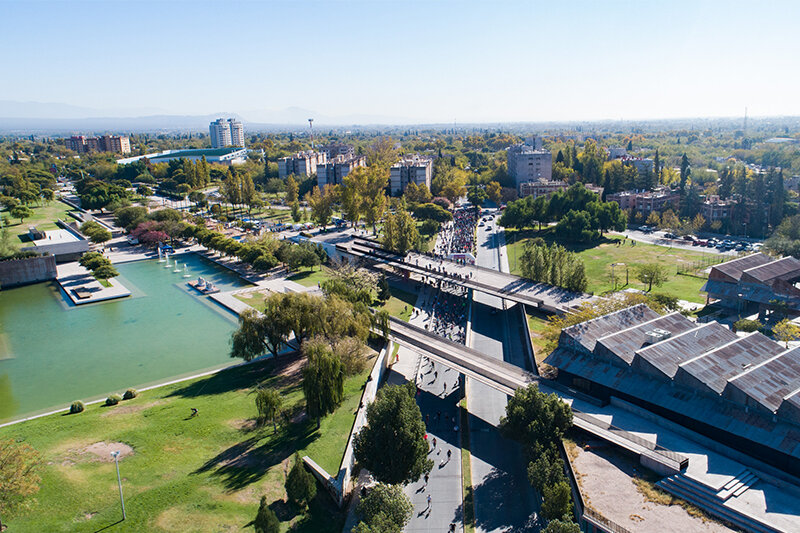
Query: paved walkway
(73,277)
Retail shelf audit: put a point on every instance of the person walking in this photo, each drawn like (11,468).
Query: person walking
(434,443)
(429,502)
(426,478)
(449,453)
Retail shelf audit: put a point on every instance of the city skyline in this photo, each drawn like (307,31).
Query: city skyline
(466,62)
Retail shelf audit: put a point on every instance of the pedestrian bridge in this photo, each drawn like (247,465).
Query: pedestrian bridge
(545,297)
(507,378)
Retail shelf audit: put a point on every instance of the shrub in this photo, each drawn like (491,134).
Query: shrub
(130,394)
(266,520)
(747,325)
(114,399)
(76,407)
(301,487)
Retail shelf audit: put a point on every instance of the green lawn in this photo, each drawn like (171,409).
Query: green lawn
(254,299)
(44,217)
(400,304)
(599,257)
(309,277)
(536,324)
(205,473)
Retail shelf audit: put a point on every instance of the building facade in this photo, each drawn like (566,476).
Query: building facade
(107,143)
(410,169)
(224,133)
(301,163)
(713,208)
(337,168)
(646,202)
(546,188)
(333,150)
(527,163)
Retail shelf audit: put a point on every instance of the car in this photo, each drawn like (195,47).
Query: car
(689,238)
(669,235)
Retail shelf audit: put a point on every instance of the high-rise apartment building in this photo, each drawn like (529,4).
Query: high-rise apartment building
(335,170)
(107,143)
(410,169)
(301,163)
(527,163)
(224,133)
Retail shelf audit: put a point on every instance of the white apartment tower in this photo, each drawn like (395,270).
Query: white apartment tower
(228,132)
(529,162)
(410,169)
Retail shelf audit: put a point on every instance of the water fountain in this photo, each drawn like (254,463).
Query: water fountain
(186,272)
(176,267)
(166,257)
(160,259)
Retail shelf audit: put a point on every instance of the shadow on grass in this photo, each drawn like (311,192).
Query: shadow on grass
(323,515)
(249,460)
(109,526)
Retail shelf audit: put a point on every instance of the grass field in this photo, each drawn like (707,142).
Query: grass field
(44,218)
(203,473)
(400,304)
(309,277)
(254,299)
(536,324)
(599,257)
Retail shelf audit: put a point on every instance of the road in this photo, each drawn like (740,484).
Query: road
(504,499)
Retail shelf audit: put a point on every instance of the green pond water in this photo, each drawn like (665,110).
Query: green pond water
(52,352)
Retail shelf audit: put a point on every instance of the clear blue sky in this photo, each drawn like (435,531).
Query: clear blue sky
(423,61)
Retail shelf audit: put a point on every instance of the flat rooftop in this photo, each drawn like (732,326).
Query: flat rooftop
(55,236)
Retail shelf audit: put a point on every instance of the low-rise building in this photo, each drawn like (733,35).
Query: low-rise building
(714,208)
(337,168)
(107,143)
(756,282)
(641,164)
(222,156)
(646,202)
(616,152)
(410,169)
(301,163)
(548,187)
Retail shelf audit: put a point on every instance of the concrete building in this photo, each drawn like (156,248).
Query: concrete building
(224,133)
(527,163)
(410,169)
(646,202)
(714,208)
(546,188)
(336,149)
(642,164)
(741,391)
(301,163)
(222,156)
(616,152)
(335,170)
(755,283)
(66,244)
(107,143)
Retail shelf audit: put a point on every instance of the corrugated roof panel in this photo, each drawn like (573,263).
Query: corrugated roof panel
(734,268)
(587,333)
(668,354)
(785,267)
(625,343)
(769,383)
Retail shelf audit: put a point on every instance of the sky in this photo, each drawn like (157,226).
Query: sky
(413,61)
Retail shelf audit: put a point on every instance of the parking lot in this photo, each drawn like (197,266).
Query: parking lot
(729,245)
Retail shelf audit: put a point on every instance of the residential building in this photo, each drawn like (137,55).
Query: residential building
(224,133)
(548,187)
(527,163)
(741,391)
(410,169)
(755,283)
(646,202)
(335,149)
(335,170)
(301,163)
(616,152)
(106,143)
(642,164)
(222,156)
(714,208)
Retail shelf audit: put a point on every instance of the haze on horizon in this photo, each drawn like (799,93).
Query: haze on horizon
(413,62)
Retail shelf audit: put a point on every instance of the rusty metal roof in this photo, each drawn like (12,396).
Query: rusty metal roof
(783,268)
(626,342)
(734,268)
(715,367)
(771,381)
(587,333)
(668,354)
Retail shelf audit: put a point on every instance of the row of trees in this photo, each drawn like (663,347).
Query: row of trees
(538,421)
(553,265)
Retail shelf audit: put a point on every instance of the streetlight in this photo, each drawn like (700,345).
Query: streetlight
(115,455)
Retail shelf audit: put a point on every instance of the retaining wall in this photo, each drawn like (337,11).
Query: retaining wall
(24,271)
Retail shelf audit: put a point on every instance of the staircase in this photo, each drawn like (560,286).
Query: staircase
(713,500)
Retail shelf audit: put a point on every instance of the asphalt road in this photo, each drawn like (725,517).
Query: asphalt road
(504,500)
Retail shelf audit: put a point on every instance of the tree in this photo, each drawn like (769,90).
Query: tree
(546,469)
(19,477)
(321,204)
(386,505)
(100,236)
(557,501)
(392,444)
(291,190)
(495,192)
(685,172)
(266,520)
(533,417)
(301,487)
(476,195)
(384,293)
(323,382)
(247,342)
(657,167)
(651,274)
(21,212)
(785,331)
(104,272)
(130,217)
(400,232)
(558,525)
(268,403)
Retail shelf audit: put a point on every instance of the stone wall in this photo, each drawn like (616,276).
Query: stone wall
(24,271)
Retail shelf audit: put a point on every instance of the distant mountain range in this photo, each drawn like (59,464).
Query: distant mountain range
(37,117)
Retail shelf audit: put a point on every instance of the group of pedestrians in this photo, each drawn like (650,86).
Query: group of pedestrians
(449,314)
(458,236)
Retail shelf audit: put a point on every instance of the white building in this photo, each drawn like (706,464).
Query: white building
(224,133)
(416,169)
(527,163)
(335,170)
(301,163)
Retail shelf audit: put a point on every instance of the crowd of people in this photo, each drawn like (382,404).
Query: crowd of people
(458,236)
(449,316)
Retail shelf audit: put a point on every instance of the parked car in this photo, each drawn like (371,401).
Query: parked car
(670,235)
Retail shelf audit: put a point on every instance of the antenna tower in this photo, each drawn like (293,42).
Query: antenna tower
(311,127)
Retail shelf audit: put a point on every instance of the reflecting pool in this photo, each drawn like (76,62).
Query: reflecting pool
(52,352)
